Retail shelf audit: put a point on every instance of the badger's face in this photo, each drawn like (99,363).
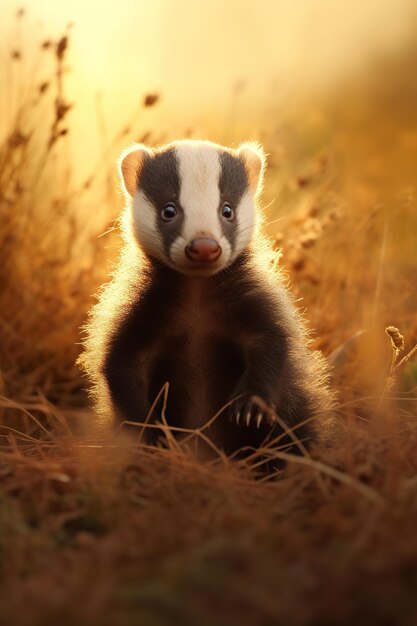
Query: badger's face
(193,202)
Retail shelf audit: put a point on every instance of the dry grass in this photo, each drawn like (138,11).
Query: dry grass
(99,530)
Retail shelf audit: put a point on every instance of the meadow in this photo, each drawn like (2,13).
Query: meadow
(99,529)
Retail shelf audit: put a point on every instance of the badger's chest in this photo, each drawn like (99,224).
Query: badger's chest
(199,355)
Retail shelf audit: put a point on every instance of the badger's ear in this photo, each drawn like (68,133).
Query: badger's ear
(254,159)
(130,164)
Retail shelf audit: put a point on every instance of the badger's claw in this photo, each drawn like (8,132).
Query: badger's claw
(250,413)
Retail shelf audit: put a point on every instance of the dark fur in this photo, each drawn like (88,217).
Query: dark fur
(251,343)
(160,181)
(232,184)
(259,349)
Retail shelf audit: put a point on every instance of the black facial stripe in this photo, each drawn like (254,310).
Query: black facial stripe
(160,181)
(233,183)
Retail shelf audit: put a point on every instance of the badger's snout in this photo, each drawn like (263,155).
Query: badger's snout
(203,250)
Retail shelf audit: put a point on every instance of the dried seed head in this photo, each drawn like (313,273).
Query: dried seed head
(303,181)
(61,109)
(295,258)
(150,99)
(312,225)
(396,337)
(314,210)
(308,240)
(61,47)
(18,139)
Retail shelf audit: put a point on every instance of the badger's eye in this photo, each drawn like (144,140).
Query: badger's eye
(169,211)
(227,211)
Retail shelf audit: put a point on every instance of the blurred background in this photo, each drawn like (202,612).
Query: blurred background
(222,69)
(329,88)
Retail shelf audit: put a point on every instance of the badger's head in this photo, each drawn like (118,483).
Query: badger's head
(193,202)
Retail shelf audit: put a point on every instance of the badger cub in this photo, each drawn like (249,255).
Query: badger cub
(197,303)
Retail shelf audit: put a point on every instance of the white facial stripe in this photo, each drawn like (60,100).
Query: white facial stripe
(199,168)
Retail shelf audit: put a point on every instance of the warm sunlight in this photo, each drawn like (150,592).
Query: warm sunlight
(208,324)
(205,55)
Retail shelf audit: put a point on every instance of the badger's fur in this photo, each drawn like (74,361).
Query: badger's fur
(197,302)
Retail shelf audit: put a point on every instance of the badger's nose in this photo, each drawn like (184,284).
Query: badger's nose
(203,250)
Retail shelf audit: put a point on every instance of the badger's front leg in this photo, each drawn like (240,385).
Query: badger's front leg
(128,363)
(126,383)
(265,357)
(254,398)
(269,402)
